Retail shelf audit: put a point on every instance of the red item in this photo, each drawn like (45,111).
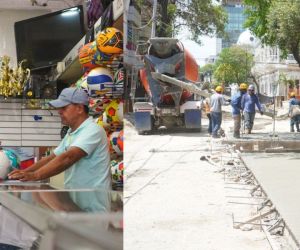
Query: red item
(27,163)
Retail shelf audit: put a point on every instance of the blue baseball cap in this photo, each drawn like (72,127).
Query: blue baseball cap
(69,96)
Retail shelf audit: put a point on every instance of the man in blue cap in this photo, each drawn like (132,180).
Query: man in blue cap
(83,153)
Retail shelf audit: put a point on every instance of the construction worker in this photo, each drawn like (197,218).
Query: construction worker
(236,109)
(216,102)
(295,118)
(249,100)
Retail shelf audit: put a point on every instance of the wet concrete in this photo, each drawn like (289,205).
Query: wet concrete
(278,174)
(266,142)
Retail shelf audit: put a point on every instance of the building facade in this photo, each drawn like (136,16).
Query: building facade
(234,27)
(275,76)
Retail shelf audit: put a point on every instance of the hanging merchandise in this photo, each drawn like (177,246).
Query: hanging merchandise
(100,82)
(120,140)
(97,105)
(119,76)
(117,171)
(82,83)
(114,111)
(86,55)
(120,111)
(102,121)
(94,11)
(113,138)
(90,57)
(110,41)
(119,82)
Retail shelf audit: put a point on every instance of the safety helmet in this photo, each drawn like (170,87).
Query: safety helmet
(251,87)
(292,94)
(243,86)
(110,41)
(219,89)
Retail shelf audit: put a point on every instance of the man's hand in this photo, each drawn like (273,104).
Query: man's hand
(261,112)
(14,173)
(23,175)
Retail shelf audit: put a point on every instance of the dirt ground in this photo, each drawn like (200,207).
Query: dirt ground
(174,200)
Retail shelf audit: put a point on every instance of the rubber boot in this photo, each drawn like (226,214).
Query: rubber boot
(236,135)
(292,129)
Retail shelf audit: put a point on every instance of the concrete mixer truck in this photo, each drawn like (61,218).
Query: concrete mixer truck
(169,83)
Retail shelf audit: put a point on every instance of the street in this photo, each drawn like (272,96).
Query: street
(173,200)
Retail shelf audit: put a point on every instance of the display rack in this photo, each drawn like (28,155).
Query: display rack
(22,124)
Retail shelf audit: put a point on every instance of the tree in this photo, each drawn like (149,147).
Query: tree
(276,23)
(207,68)
(200,17)
(233,65)
(256,12)
(206,72)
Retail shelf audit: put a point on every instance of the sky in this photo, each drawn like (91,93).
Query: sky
(203,51)
(200,52)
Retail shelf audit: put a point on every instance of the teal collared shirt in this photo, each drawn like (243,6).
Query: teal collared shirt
(93,170)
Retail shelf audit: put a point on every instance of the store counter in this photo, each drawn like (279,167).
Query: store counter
(35,215)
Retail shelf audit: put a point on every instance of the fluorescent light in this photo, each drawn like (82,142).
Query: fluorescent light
(70,12)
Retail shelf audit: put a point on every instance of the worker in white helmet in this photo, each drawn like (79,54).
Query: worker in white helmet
(249,100)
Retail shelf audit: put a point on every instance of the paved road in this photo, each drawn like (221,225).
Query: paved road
(175,201)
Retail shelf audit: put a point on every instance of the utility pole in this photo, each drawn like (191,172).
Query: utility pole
(153,30)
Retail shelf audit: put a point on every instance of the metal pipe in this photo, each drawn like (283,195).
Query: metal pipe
(153,30)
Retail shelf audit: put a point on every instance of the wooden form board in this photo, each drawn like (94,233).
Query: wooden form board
(18,126)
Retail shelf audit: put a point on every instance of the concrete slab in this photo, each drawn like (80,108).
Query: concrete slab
(278,174)
(282,136)
(260,142)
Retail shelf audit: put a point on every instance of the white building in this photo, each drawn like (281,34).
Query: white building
(269,70)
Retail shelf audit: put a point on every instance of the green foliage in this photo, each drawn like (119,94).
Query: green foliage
(257,11)
(207,68)
(200,17)
(233,65)
(284,27)
(276,23)
(288,82)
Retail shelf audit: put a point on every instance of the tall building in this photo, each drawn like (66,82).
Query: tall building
(234,27)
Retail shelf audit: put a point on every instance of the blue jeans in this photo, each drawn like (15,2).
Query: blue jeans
(209,123)
(295,120)
(216,120)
